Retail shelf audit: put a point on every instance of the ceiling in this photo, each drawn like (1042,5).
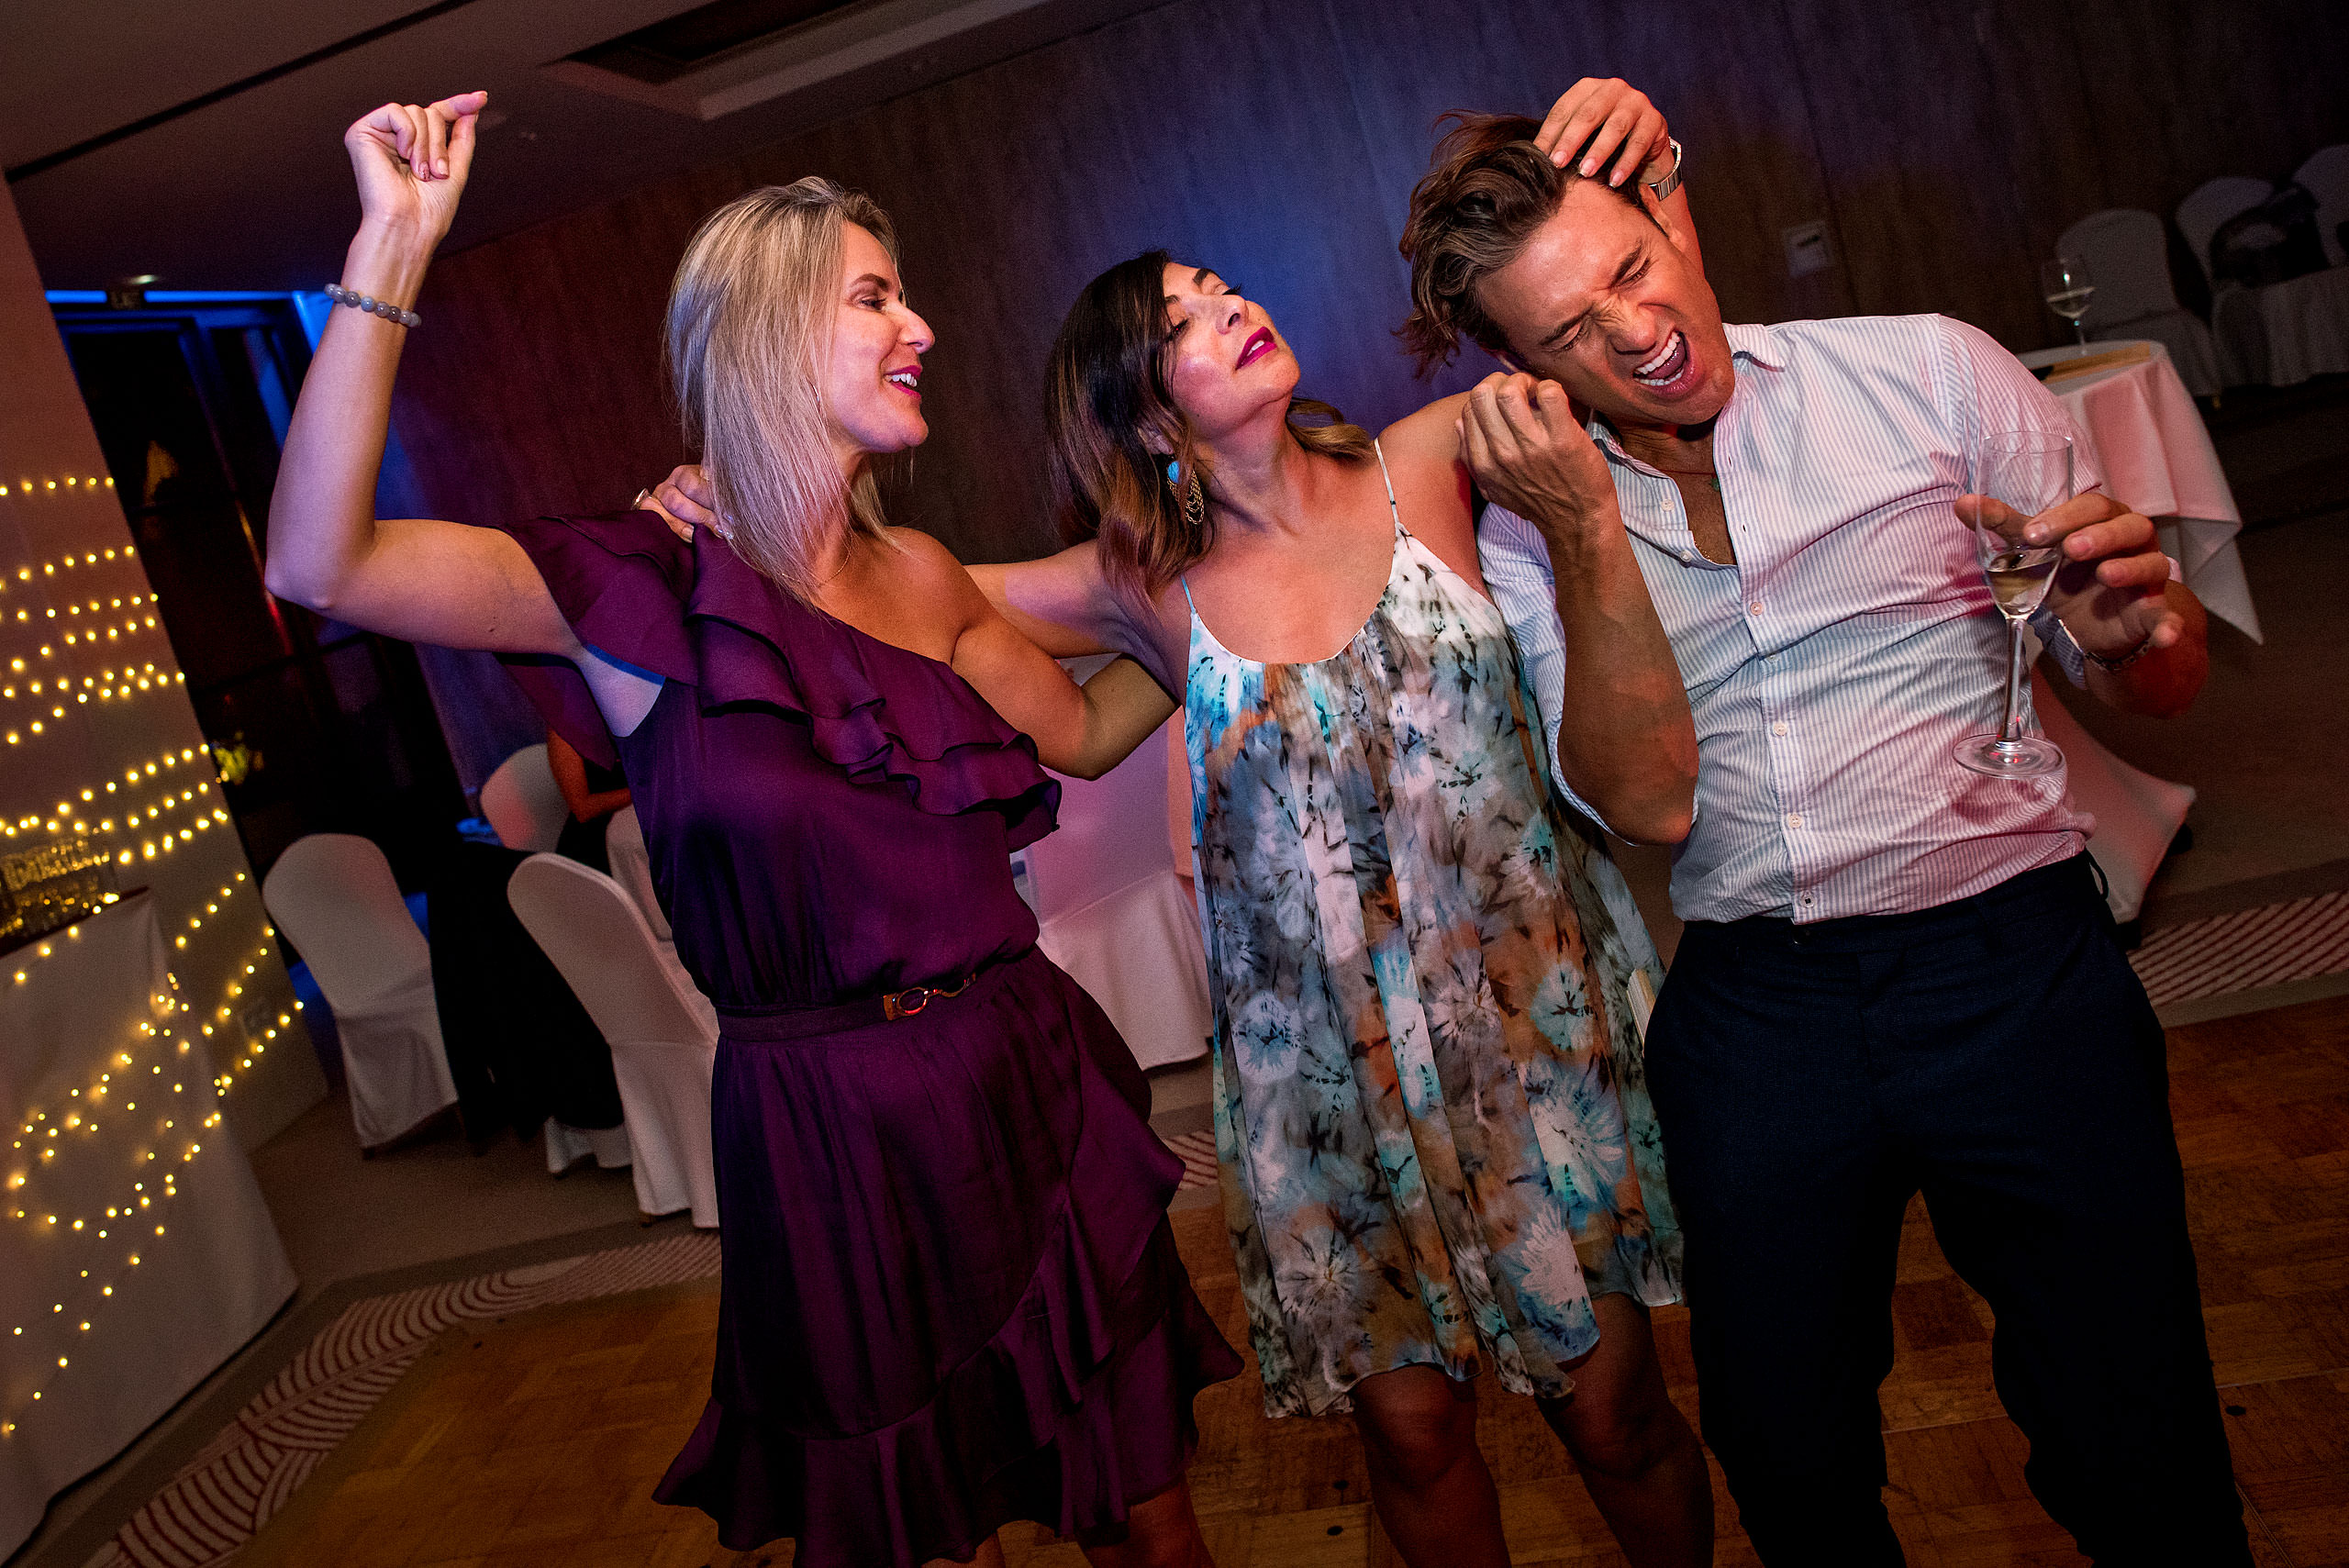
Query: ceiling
(202,143)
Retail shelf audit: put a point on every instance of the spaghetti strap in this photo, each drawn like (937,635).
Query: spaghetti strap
(1185,580)
(1384,478)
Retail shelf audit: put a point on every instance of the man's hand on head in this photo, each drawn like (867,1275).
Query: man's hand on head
(1617,121)
(1530,454)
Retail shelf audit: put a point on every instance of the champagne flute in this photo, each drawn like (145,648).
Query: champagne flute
(2016,475)
(2066,284)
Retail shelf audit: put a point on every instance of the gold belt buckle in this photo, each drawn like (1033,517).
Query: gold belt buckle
(895,1005)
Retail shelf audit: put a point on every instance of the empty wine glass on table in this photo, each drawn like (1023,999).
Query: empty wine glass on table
(2066,284)
(2015,475)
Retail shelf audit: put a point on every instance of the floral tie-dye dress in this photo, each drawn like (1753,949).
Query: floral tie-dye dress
(1430,1109)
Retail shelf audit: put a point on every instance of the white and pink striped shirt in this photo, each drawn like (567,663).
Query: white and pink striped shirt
(1832,667)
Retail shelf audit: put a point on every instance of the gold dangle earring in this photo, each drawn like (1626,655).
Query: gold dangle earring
(1194,495)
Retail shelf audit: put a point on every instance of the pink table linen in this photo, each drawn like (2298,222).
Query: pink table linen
(2149,439)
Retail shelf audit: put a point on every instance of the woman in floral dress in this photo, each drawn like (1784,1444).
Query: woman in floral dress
(1436,1148)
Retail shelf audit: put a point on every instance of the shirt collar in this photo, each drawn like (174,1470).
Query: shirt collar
(1755,342)
(1758,343)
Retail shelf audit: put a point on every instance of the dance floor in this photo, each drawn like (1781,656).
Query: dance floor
(533,1440)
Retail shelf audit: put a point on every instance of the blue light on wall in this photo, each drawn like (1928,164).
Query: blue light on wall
(312,309)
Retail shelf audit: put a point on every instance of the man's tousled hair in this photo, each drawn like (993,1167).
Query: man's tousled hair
(1488,189)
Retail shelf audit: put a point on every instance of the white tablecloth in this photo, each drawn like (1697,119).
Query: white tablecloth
(2285,333)
(2156,454)
(2136,814)
(106,1343)
(1138,951)
(1111,911)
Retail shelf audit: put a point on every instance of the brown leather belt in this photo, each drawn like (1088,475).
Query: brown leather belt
(785,1022)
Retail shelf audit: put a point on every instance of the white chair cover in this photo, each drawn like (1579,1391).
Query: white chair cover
(2136,814)
(632,868)
(2210,204)
(2326,175)
(663,1036)
(334,897)
(523,802)
(2287,333)
(1113,914)
(607,1146)
(2128,255)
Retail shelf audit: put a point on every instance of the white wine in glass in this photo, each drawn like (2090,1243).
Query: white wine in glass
(2015,475)
(2066,284)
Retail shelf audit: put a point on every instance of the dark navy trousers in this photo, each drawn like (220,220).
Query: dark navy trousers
(1999,1054)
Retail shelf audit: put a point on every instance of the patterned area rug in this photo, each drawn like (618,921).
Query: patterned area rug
(228,1491)
(1196,1151)
(2271,945)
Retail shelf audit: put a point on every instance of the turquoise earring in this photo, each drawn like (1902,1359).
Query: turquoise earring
(1174,471)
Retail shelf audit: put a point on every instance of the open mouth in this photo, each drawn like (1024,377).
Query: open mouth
(1260,343)
(907,381)
(1663,369)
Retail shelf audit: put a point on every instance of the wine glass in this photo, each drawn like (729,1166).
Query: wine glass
(2066,284)
(2016,475)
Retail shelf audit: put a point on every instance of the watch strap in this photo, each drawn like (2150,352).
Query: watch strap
(1671,182)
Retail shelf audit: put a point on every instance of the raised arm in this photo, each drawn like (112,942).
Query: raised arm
(1081,730)
(1061,603)
(1628,745)
(415,578)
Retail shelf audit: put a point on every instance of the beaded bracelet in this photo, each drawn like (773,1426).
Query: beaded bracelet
(373,306)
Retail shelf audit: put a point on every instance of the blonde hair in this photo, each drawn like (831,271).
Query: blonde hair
(1112,420)
(749,336)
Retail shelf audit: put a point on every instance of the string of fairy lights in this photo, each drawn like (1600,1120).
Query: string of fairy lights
(120,1079)
(196,797)
(77,625)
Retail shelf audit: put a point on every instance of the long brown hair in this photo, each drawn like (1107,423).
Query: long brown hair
(1113,419)
(750,332)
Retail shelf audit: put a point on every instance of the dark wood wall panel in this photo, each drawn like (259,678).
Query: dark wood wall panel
(1944,145)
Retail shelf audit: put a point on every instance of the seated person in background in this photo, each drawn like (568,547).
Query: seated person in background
(593,793)
(1898,975)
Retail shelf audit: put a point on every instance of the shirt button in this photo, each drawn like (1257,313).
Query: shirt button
(1756,607)
(1779,727)
(1794,819)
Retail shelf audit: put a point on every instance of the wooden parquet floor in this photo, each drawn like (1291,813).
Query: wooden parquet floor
(533,1443)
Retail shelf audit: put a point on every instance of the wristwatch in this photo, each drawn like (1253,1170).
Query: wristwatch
(1671,182)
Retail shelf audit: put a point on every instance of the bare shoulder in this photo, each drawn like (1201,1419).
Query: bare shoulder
(928,561)
(1431,434)
(1431,485)
(928,568)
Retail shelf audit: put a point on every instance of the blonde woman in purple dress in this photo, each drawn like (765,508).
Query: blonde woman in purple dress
(951,1297)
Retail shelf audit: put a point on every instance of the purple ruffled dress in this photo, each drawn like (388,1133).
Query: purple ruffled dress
(950,1295)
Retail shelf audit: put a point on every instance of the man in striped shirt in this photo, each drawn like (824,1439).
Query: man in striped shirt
(1897,974)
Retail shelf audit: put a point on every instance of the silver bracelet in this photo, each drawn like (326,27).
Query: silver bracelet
(373,306)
